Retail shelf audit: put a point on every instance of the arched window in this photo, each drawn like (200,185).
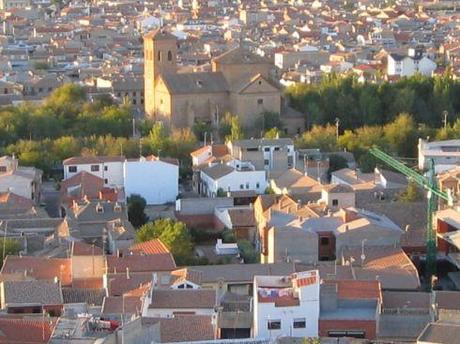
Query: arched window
(169,55)
(159,56)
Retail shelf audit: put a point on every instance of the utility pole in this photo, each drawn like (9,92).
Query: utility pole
(444,120)
(337,125)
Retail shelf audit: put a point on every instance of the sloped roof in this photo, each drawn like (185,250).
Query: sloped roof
(32,292)
(240,55)
(195,83)
(137,263)
(25,331)
(183,298)
(218,171)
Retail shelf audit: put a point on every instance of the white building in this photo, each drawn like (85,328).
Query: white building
(22,181)
(407,65)
(154,179)
(446,154)
(109,168)
(286,305)
(234,176)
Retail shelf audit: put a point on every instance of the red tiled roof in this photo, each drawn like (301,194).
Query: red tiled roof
(119,284)
(122,304)
(88,283)
(84,249)
(184,328)
(154,246)
(90,186)
(12,199)
(353,289)
(40,268)
(25,331)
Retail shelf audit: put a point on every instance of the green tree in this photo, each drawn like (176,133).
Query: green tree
(247,251)
(9,247)
(136,210)
(174,234)
(236,132)
(273,133)
(401,135)
(411,194)
(320,137)
(336,162)
(199,128)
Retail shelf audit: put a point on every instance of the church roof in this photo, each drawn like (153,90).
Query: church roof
(160,34)
(240,56)
(186,83)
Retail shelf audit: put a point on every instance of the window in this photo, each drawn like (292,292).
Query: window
(324,241)
(257,185)
(241,186)
(274,324)
(266,162)
(299,323)
(159,56)
(106,168)
(169,55)
(267,149)
(247,185)
(335,202)
(72,169)
(94,168)
(277,149)
(106,181)
(260,101)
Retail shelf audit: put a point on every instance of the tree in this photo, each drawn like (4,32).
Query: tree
(273,133)
(320,137)
(411,194)
(268,120)
(12,247)
(236,132)
(199,128)
(336,162)
(401,135)
(247,251)
(174,234)
(136,210)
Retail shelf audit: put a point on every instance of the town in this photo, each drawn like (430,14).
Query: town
(214,171)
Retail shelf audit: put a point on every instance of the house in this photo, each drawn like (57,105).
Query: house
(408,65)
(155,179)
(295,183)
(450,180)
(109,169)
(23,181)
(218,179)
(445,154)
(350,308)
(26,330)
(286,305)
(19,297)
(167,303)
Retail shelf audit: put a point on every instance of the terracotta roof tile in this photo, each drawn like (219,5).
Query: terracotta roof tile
(154,246)
(183,298)
(137,263)
(24,331)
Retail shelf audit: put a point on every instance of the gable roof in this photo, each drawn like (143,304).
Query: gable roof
(217,171)
(154,246)
(183,298)
(32,292)
(77,160)
(25,331)
(137,263)
(240,55)
(195,83)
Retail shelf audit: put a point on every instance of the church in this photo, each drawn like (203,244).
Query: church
(238,83)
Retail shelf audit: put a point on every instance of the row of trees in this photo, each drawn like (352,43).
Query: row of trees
(65,112)
(398,137)
(357,104)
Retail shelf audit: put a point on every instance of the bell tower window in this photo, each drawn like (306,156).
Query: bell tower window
(169,55)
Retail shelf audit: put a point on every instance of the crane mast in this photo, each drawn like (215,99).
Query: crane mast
(430,184)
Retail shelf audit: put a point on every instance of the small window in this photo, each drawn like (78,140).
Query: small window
(260,101)
(274,324)
(72,169)
(106,168)
(335,202)
(134,93)
(266,162)
(324,241)
(257,185)
(94,168)
(159,56)
(241,186)
(299,323)
(277,149)
(2,168)
(169,55)
(247,185)
(106,181)
(267,149)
